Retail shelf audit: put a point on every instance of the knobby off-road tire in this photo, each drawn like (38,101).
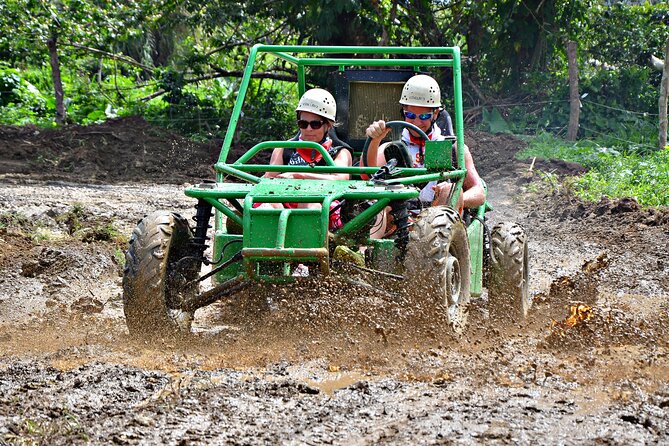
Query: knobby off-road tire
(437,262)
(154,281)
(508,293)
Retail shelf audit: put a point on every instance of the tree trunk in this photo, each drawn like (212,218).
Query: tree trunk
(664,92)
(574,101)
(52,44)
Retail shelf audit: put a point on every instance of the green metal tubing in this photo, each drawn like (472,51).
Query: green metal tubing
(241,192)
(301,80)
(272,211)
(355,170)
(285,145)
(457,187)
(357,49)
(429,177)
(282,52)
(313,254)
(287,57)
(313,198)
(282,227)
(225,210)
(379,62)
(457,92)
(227,168)
(236,111)
(475,236)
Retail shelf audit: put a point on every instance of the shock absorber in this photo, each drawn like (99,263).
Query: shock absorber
(202,216)
(400,213)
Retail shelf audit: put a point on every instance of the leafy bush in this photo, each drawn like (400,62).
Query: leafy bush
(20,101)
(614,171)
(642,177)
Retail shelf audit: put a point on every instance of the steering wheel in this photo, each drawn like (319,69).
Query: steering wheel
(398,149)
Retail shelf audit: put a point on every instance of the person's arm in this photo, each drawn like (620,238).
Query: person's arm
(277,158)
(474,194)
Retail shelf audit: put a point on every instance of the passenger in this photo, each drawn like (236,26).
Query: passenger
(316,113)
(421,103)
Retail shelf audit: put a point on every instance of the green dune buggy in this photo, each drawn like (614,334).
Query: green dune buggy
(451,258)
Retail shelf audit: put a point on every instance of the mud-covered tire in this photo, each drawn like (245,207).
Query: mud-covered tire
(437,263)
(508,292)
(154,280)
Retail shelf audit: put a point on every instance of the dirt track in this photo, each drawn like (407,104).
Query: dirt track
(330,368)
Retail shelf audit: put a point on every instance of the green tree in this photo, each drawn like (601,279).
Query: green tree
(49,26)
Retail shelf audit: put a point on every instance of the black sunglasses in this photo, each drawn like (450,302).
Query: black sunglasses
(315,124)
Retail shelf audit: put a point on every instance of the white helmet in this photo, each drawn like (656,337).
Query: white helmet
(422,91)
(318,101)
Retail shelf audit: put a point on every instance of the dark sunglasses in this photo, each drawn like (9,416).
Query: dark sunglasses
(422,116)
(303,124)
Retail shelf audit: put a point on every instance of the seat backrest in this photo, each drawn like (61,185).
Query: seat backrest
(445,124)
(364,96)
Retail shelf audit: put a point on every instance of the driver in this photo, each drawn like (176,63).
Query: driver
(421,103)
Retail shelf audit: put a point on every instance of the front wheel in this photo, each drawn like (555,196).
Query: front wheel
(438,264)
(508,292)
(160,273)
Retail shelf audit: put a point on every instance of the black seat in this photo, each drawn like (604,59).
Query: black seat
(445,124)
(337,142)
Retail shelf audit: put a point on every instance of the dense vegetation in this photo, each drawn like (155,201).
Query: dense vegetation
(177,62)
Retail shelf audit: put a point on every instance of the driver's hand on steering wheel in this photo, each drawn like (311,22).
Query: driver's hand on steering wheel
(377,130)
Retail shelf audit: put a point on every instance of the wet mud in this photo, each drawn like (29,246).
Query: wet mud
(333,363)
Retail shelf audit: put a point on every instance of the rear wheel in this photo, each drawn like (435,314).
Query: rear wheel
(159,269)
(508,293)
(437,262)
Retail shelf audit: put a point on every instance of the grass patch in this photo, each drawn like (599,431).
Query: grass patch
(614,171)
(13,220)
(642,177)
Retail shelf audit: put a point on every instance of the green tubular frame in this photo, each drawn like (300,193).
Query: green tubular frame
(254,189)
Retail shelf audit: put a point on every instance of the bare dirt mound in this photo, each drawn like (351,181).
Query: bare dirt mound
(119,150)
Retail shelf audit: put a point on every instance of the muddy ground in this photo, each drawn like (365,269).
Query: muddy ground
(317,366)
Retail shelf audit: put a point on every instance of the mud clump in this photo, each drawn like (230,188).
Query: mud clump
(587,327)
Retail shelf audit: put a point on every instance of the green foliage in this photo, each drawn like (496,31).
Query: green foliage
(614,101)
(12,220)
(626,34)
(547,146)
(114,54)
(73,218)
(642,177)
(203,113)
(119,256)
(21,100)
(269,114)
(614,171)
(495,122)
